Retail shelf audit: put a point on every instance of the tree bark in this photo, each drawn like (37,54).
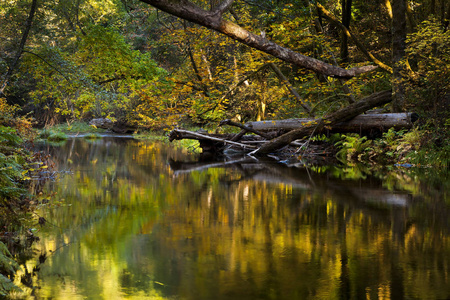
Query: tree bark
(410,17)
(398,54)
(346,19)
(360,123)
(318,125)
(213,19)
(12,67)
(447,19)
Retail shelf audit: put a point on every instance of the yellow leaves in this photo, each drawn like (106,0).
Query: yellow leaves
(309,123)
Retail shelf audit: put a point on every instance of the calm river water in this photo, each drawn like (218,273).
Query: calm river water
(142,220)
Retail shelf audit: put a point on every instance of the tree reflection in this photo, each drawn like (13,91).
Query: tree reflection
(145,220)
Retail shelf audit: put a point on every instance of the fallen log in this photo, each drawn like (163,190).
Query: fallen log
(208,142)
(244,127)
(346,119)
(317,126)
(359,124)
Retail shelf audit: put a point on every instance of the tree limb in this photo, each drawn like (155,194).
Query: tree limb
(211,19)
(49,64)
(15,62)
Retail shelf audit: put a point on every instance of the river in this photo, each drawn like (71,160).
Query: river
(129,219)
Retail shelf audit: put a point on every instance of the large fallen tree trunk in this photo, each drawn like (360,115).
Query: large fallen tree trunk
(359,124)
(263,142)
(317,125)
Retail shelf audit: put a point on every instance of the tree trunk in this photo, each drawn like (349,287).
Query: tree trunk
(213,19)
(447,20)
(410,17)
(203,86)
(387,3)
(318,125)
(16,59)
(346,19)
(398,54)
(349,34)
(361,123)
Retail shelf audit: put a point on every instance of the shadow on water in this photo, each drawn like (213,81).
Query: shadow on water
(133,219)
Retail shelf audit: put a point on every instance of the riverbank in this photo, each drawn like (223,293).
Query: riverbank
(22,175)
(290,159)
(146,220)
(415,147)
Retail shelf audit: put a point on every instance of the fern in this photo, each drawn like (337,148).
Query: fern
(7,266)
(352,146)
(9,137)
(10,174)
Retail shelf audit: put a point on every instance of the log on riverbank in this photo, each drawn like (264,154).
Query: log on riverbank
(359,124)
(268,137)
(317,126)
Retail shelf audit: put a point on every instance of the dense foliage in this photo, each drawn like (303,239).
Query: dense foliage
(67,61)
(127,61)
(17,166)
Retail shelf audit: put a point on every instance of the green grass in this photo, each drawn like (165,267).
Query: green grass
(92,136)
(76,127)
(151,136)
(53,136)
(190,145)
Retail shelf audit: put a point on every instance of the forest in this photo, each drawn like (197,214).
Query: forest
(155,65)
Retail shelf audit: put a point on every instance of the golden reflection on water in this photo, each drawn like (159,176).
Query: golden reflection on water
(132,226)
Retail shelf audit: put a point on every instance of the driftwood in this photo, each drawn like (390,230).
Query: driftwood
(270,136)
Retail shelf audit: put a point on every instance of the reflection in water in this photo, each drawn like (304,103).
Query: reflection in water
(137,220)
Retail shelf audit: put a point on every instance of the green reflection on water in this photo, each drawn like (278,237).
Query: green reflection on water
(136,223)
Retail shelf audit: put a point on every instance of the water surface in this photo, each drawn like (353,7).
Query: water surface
(142,220)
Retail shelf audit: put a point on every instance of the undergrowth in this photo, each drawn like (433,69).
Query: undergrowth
(18,166)
(415,147)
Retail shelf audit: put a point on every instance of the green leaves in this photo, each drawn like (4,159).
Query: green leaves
(101,78)
(9,137)
(7,266)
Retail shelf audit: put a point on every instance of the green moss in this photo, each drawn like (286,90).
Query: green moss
(92,136)
(57,136)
